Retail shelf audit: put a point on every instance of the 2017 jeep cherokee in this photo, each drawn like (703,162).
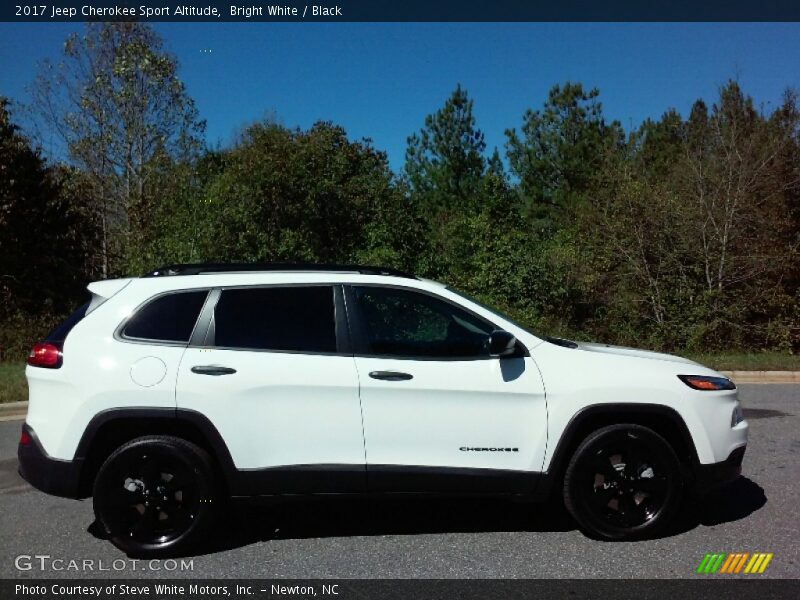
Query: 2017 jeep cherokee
(166,394)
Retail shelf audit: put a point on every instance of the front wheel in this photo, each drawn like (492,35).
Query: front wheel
(623,482)
(154,496)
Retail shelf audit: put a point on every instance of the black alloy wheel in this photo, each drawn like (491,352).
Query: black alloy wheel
(155,495)
(623,482)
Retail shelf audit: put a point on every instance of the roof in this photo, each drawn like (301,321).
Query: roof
(209,268)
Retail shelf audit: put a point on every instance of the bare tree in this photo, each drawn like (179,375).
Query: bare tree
(701,233)
(735,182)
(116,103)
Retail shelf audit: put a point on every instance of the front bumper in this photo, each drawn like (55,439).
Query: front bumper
(711,476)
(50,475)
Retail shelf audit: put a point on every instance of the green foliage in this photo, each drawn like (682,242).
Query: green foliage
(697,221)
(123,116)
(13,387)
(283,194)
(560,152)
(747,361)
(21,329)
(683,235)
(445,160)
(44,232)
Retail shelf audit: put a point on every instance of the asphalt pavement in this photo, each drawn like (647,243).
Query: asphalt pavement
(442,538)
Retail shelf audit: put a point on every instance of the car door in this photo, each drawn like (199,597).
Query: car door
(440,414)
(275,378)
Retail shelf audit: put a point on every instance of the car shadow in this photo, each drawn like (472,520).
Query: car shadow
(732,502)
(345,517)
(763,413)
(249,522)
(512,368)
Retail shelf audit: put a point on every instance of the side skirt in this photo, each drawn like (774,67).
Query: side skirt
(381,480)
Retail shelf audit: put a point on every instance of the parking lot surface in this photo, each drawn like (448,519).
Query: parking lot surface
(437,538)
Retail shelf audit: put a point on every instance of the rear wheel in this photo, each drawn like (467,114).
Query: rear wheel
(155,495)
(623,482)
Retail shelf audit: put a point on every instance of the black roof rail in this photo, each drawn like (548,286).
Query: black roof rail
(199,268)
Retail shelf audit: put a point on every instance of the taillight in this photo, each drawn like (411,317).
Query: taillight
(45,354)
(24,438)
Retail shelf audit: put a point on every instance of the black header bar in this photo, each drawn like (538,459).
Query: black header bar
(404,11)
(699,588)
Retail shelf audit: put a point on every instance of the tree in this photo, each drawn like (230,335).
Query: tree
(658,145)
(560,151)
(44,237)
(286,195)
(740,175)
(122,114)
(445,160)
(699,230)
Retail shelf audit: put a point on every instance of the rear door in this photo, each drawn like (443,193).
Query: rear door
(440,414)
(277,380)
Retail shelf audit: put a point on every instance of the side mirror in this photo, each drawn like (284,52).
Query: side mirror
(502,343)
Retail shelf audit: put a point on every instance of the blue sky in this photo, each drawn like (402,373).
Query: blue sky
(380,80)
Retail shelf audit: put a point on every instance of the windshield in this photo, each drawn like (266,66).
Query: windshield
(548,338)
(499,313)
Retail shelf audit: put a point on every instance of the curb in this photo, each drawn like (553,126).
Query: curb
(763,376)
(10,411)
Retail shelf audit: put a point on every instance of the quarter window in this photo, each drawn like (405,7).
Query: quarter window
(404,323)
(168,318)
(295,319)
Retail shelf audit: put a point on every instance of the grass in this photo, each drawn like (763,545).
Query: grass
(759,361)
(13,386)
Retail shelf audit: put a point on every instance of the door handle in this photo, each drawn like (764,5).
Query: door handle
(213,370)
(391,375)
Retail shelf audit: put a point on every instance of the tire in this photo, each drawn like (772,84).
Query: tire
(623,482)
(156,496)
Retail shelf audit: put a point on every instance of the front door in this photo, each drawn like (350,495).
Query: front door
(440,414)
(273,379)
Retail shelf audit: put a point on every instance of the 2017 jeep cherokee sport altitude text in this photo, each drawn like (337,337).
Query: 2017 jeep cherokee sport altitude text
(166,394)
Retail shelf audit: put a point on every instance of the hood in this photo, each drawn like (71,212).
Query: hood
(624,351)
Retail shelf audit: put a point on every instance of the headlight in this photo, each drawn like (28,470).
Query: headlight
(705,383)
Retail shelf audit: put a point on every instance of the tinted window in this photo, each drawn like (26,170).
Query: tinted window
(59,334)
(405,323)
(495,310)
(168,318)
(298,319)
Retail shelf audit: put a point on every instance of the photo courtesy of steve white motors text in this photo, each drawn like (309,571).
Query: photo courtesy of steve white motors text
(161,590)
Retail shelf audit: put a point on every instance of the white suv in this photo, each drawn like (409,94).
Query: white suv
(167,394)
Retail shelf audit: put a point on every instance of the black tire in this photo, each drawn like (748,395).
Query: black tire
(623,482)
(156,496)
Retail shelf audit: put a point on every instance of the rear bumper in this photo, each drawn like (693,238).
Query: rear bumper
(50,475)
(708,477)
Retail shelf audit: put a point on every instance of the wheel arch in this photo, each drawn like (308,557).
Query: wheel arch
(665,421)
(109,429)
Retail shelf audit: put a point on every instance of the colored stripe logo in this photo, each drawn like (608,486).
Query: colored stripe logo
(722,563)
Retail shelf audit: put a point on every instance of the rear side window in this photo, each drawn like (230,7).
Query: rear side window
(296,319)
(168,318)
(59,334)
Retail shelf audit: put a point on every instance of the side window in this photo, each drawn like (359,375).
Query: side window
(298,319)
(405,323)
(168,318)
